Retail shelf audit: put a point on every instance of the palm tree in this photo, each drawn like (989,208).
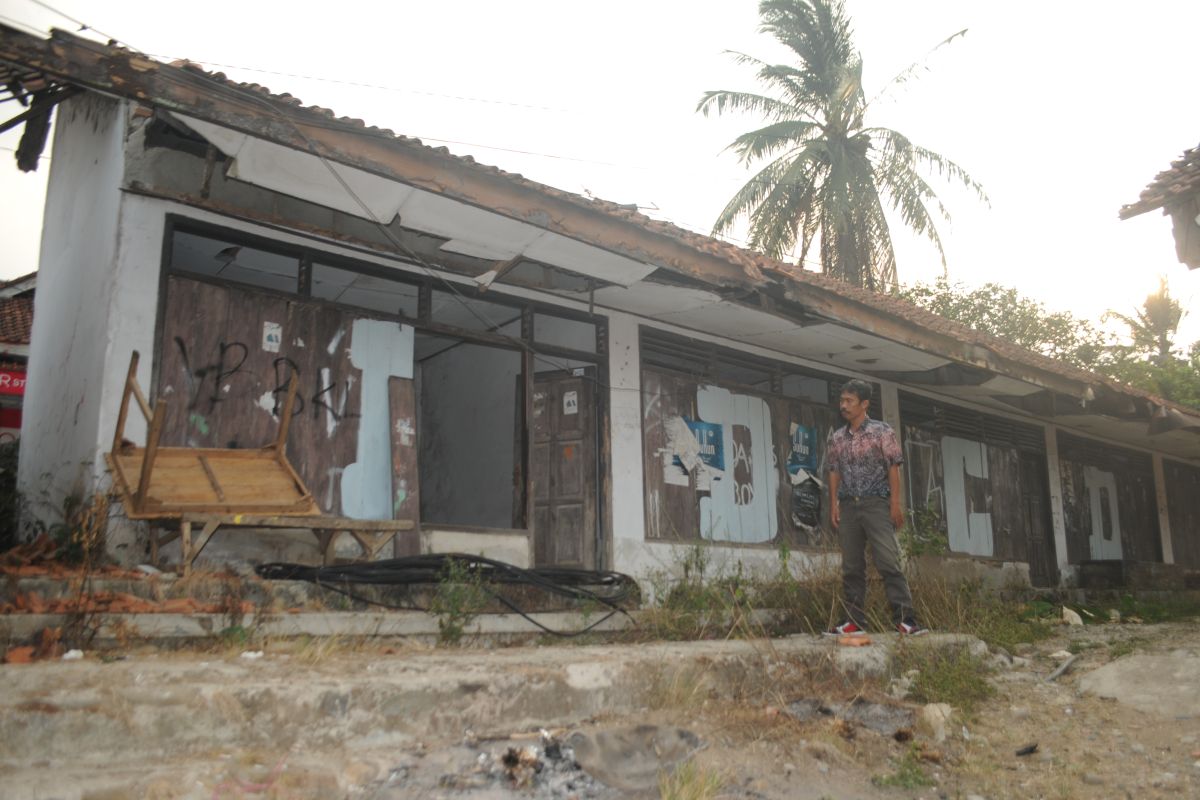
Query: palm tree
(829,178)
(1153,326)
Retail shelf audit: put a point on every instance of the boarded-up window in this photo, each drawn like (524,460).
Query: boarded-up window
(728,464)
(1183,505)
(226,357)
(1109,507)
(983,476)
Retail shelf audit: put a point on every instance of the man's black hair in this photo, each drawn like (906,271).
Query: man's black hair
(860,388)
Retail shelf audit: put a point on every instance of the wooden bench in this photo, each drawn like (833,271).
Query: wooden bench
(370,534)
(214,487)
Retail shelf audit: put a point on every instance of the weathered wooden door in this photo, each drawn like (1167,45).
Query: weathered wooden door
(1043,562)
(564,469)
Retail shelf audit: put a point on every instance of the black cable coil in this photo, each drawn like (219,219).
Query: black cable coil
(606,588)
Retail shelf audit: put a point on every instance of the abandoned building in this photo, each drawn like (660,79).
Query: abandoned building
(525,373)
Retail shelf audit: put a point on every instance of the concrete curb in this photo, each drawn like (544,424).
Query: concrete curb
(166,628)
(145,707)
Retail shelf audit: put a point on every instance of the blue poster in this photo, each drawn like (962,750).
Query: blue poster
(804,451)
(710,437)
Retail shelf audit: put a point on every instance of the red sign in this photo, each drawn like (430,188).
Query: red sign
(12,382)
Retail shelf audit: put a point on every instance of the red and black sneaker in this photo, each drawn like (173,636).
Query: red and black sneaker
(910,627)
(847,628)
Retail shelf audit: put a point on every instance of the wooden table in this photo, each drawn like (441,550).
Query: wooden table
(370,534)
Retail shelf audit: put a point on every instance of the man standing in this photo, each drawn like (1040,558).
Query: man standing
(864,461)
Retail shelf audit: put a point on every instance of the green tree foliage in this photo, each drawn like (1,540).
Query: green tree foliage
(1149,360)
(1152,327)
(1003,312)
(828,177)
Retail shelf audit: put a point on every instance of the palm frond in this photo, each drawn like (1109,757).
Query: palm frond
(914,70)
(768,140)
(723,100)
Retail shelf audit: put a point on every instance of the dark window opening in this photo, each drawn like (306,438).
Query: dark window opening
(1106,521)
(469,427)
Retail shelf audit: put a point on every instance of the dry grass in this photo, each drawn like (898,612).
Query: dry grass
(689,781)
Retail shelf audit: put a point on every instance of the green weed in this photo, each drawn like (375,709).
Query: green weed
(908,775)
(459,598)
(955,677)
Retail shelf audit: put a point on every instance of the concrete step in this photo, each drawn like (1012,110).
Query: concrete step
(105,631)
(160,706)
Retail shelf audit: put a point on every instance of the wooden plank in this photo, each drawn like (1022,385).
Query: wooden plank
(672,512)
(406,495)
(285,417)
(130,379)
(152,438)
(212,478)
(314,522)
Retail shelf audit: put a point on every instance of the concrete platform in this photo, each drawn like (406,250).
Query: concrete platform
(154,706)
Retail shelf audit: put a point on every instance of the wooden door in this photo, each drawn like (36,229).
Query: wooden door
(564,469)
(1039,545)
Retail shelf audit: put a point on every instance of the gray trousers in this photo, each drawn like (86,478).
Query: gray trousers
(863,520)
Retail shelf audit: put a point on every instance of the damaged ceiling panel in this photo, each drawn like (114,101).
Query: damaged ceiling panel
(569,254)
(303,175)
(471,230)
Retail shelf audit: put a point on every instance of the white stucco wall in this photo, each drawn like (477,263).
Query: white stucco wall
(68,364)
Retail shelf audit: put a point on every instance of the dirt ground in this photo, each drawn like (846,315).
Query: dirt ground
(1087,746)
(751,745)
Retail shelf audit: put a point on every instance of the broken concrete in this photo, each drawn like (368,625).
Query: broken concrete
(88,721)
(1164,684)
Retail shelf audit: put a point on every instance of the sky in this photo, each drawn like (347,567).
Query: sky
(1063,110)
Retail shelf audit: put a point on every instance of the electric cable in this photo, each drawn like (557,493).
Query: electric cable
(606,588)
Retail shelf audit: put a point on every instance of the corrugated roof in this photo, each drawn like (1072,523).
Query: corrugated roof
(1182,180)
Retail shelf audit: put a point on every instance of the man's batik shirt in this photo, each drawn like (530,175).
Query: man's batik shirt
(861,458)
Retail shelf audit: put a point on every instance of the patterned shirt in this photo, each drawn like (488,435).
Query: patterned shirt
(861,459)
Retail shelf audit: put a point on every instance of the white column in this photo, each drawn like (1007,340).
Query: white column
(889,411)
(1056,503)
(1164,516)
(625,400)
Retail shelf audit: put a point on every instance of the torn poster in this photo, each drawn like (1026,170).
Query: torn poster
(802,471)
(683,444)
(695,448)
(803,455)
(673,472)
(710,439)
(272,336)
